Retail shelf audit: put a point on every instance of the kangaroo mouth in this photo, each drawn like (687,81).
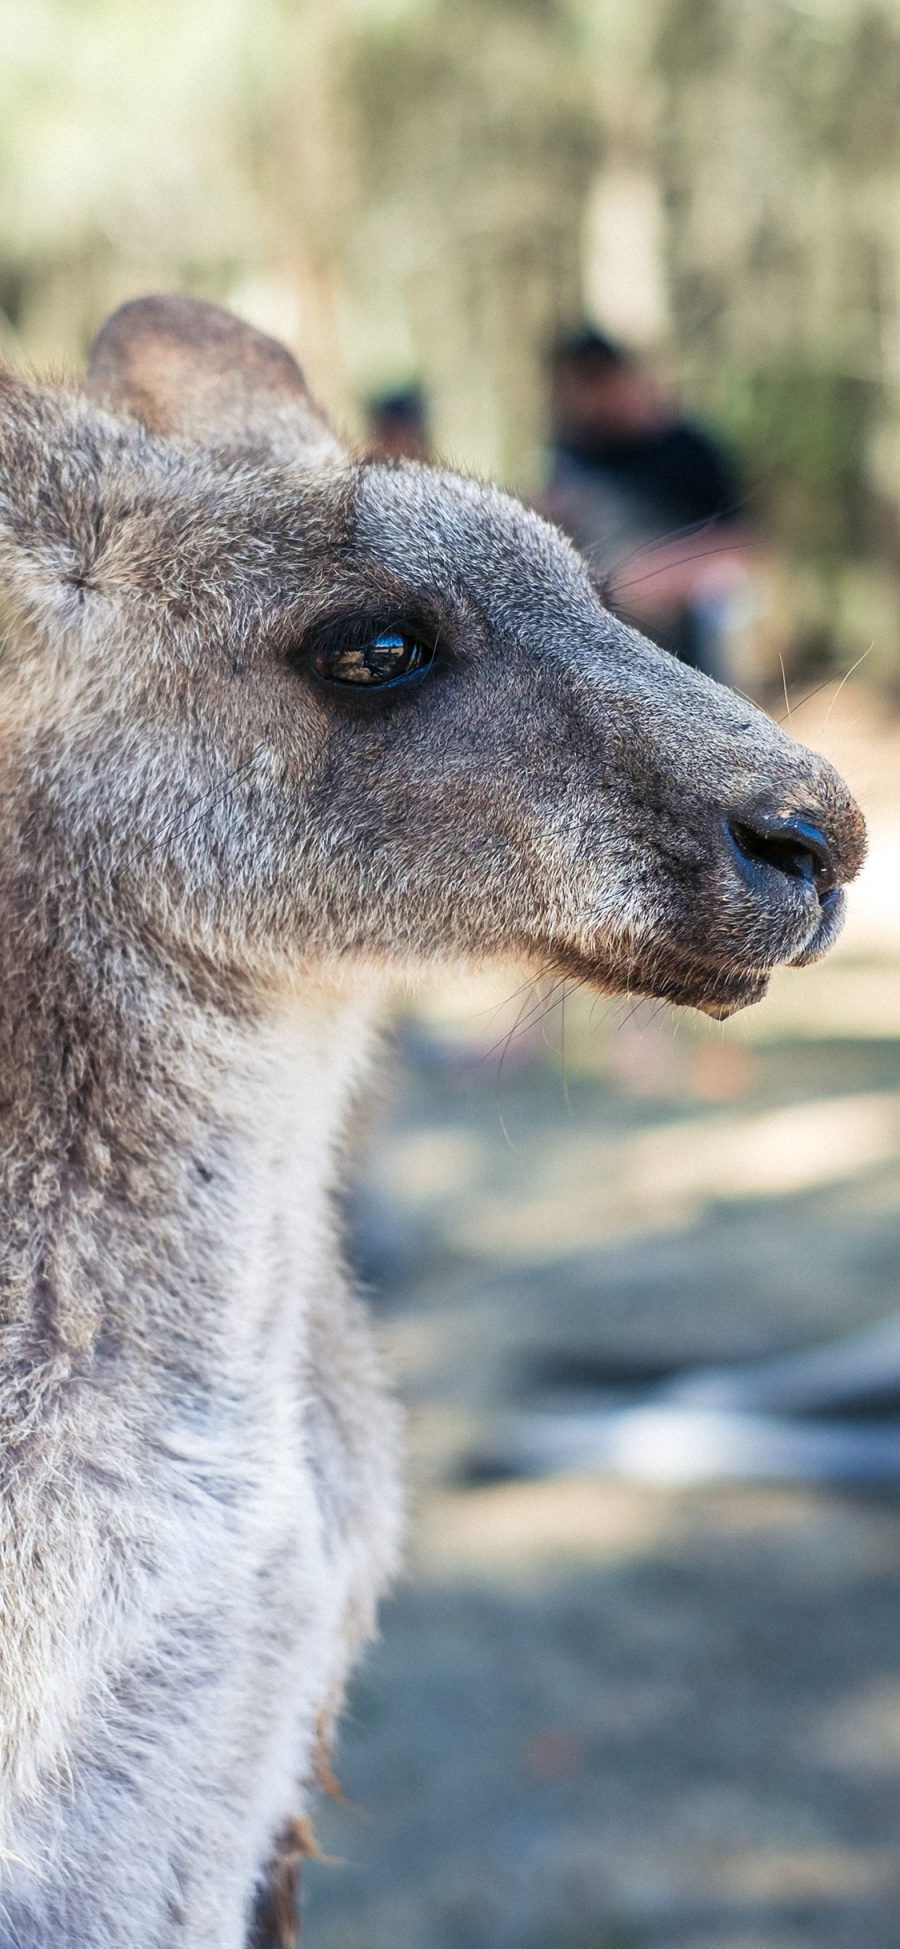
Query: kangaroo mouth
(718,987)
(715,992)
(735,995)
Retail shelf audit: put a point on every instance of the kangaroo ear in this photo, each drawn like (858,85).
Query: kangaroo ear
(198,376)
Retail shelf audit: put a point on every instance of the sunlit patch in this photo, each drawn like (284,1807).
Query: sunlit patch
(523,1529)
(599,1190)
(863,1727)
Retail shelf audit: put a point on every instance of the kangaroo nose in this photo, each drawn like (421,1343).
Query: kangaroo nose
(794,847)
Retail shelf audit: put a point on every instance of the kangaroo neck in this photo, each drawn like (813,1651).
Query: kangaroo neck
(167,1160)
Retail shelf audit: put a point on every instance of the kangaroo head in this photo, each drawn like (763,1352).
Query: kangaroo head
(278,707)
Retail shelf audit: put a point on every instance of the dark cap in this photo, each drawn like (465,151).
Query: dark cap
(587,346)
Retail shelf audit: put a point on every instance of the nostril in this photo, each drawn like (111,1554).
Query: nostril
(793,847)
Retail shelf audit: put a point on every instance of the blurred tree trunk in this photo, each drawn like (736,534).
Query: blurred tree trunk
(779,156)
(473,144)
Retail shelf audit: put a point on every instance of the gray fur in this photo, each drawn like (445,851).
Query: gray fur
(209,867)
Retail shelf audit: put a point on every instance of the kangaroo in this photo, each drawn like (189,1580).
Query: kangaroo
(277,722)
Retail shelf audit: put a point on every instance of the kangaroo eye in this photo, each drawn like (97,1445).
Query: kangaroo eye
(365,656)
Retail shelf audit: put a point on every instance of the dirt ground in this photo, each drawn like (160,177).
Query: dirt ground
(605,1715)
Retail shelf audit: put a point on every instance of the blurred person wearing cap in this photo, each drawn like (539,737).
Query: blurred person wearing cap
(651,498)
(397,424)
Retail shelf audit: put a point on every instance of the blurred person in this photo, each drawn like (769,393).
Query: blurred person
(652,498)
(397,424)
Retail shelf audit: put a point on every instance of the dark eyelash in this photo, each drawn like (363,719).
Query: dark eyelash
(361,625)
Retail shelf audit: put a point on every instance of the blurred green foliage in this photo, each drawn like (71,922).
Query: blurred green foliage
(802,433)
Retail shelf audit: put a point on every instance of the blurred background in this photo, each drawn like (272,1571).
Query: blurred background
(640,261)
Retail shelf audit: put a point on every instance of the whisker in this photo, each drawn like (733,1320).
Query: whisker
(565,1070)
(504,1046)
(845,679)
(808,697)
(700,555)
(705,523)
(787,701)
(504,1041)
(539,1014)
(493,1008)
(198,810)
(520,1027)
(631,1013)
